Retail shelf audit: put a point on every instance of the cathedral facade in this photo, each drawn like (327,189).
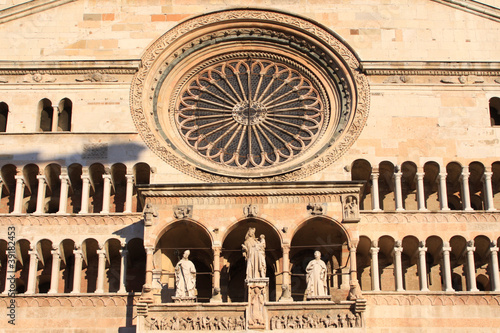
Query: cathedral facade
(270,166)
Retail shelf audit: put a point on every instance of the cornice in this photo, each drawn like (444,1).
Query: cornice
(73,219)
(434,68)
(474,7)
(429,217)
(70,67)
(431,298)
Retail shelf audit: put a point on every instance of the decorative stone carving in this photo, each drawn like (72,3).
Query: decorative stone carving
(182,212)
(351,209)
(256,298)
(317,288)
(185,279)
(37,78)
(196,323)
(250,211)
(254,253)
(313,320)
(97,77)
(315,209)
(149,214)
(286,294)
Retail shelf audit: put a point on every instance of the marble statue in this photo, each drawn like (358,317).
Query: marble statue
(185,277)
(316,276)
(254,253)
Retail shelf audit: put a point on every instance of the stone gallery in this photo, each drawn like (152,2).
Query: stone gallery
(189,165)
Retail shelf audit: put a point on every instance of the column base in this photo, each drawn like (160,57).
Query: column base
(184,299)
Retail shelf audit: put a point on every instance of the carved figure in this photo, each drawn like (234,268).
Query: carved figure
(254,253)
(256,301)
(185,277)
(181,212)
(316,276)
(250,211)
(149,214)
(315,208)
(351,207)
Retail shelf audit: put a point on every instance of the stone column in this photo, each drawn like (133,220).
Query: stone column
(398,266)
(448,286)
(422,267)
(286,264)
(85,194)
(420,191)
(495,278)
(123,270)
(54,276)
(443,192)
(32,272)
(77,272)
(375,192)
(374,269)
(106,193)
(129,193)
(63,198)
(464,178)
(149,268)
(19,195)
(40,197)
(55,118)
(398,192)
(216,276)
(101,268)
(488,190)
(471,266)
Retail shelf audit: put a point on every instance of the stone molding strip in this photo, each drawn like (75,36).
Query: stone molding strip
(70,67)
(64,300)
(431,68)
(91,219)
(28,8)
(431,298)
(415,217)
(474,7)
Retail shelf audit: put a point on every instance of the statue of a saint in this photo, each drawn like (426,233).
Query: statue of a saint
(316,276)
(254,253)
(185,277)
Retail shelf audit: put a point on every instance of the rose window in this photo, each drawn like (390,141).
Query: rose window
(250,112)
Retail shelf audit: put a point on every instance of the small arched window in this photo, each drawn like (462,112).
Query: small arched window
(4,113)
(495,111)
(64,120)
(46,115)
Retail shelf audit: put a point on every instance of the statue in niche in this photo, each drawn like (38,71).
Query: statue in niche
(255,255)
(351,207)
(316,277)
(185,277)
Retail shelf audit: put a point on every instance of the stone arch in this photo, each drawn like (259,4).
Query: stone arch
(52,172)
(435,268)
(65,115)
(45,115)
(142,175)
(75,172)
(4,116)
(30,171)
(482,262)
(170,244)
(112,248)
(324,234)
(67,268)
(233,271)
(96,172)
(494,106)
(386,263)
(362,170)
(119,188)
(431,185)
(23,247)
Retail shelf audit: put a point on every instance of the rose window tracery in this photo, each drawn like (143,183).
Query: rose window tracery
(250,113)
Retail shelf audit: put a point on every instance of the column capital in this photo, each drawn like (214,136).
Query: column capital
(101,252)
(446,249)
(150,250)
(442,175)
(130,177)
(33,253)
(78,252)
(216,250)
(397,250)
(374,175)
(106,176)
(420,175)
(493,249)
(85,176)
(471,248)
(55,252)
(422,249)
(41,178)
(19,178)
(123,252)
(397,174)
(374,250)
(487,176)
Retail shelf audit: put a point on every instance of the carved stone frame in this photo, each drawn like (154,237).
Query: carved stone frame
(300,35)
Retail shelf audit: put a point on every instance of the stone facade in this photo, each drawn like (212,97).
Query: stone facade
(135,130)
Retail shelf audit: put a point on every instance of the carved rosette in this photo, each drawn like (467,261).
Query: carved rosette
(249,95)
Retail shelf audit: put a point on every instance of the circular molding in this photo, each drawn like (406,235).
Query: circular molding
(304,103)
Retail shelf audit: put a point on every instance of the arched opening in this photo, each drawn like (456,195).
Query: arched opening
(30,172)
(453,186)
(52,173)
(119,189)
(43,248)
(233,270)
(113,262)
(136,265)
(457,259)
(363,260)
(3,265)
(89,266)
(386,186)
(9,172)
(64,119)
(431,186)
(482,263)
(96,172)
(142,175)
(4,114)
(494,111)
(409,260)
(362,170)
(22,265)
(169,249)
(75,178)
(409,185)
(67,267)
(326,236)
(386,263)
(476,170)
(46,112)
(434,270)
